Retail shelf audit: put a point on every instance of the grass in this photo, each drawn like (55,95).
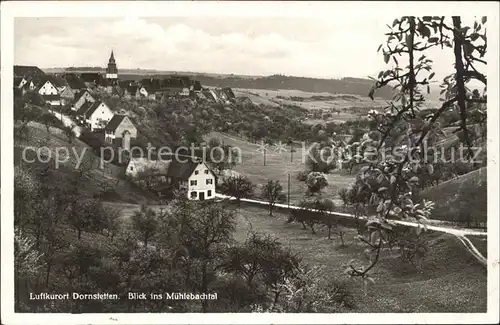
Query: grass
(277,167)
(445,197)
(450,279)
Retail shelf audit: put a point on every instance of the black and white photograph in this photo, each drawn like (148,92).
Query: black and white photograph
(194,162)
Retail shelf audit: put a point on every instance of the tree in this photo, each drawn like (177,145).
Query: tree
(85,215)
(145,222)
(204,229)
(385,179)
(26,264)
(315,182)
(25,113)
(238,187)
(49,120)
(221,157)
(69,132)
(273,193)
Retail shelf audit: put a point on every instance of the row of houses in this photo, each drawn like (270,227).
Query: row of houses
(174,86)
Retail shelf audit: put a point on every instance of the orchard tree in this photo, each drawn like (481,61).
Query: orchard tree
(396,145)
(315,182)
(145,222)
(238,187)
(273,193)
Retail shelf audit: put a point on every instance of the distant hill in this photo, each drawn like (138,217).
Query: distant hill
(354,86)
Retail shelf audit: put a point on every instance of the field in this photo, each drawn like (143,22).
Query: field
(277,167)
(450,280)
(343,107)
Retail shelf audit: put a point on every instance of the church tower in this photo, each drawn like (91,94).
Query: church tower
(112,70)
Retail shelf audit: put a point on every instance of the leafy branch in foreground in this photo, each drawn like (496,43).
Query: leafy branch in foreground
(395,152)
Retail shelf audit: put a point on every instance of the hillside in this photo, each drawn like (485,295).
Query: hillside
(120,189)
(463,199)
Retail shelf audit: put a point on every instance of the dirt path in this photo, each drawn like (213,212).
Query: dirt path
(68,121)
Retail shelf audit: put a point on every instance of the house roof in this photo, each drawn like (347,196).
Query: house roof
(17,81)
(125,83)
(229,92)
(158,166)
(51,97)
(132,89)
(208,94)
(91,77)
(197,85)
(74,81)
(174,83)
(84,108)
(81,93)
(93,107)
(26,70)
(115,122)
(56,80)
(182,169)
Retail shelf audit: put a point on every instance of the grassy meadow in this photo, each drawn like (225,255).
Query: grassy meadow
(277,167)
(450,279)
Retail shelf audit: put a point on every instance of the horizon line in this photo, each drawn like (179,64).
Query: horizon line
(206,73)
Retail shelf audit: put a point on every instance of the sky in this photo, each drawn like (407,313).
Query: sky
(312,47)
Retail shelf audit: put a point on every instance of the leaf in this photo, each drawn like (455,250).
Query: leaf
(433,39)
(426,32)
(428,89)
(382,189)
(379,47)
(483,20)
(380,178)
(431,75)
(386,58)
(474,36)
(395,22)
(380,207)
(393,179)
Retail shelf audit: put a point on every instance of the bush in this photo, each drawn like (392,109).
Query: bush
(92,140)
(302,176)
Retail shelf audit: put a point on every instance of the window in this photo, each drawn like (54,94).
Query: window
(209,193)
(209,181)
(196,172)
(206,171)
(194,194)
(194,183)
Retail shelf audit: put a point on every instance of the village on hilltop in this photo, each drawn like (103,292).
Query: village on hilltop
(77,95)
